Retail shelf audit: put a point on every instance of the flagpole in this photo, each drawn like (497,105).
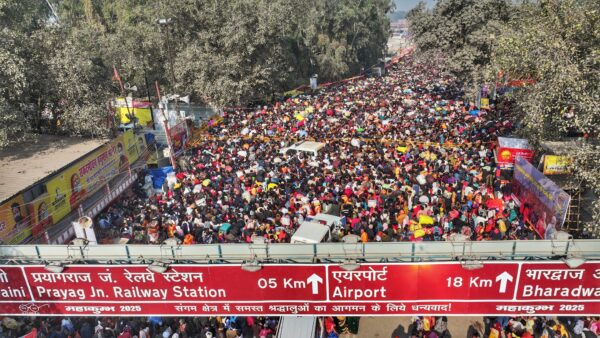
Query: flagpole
(130,116)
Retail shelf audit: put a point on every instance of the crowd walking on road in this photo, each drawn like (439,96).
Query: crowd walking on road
(150,327)
(405,158)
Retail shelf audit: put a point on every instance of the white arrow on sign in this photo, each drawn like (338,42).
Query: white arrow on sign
(504,278)
(314,279)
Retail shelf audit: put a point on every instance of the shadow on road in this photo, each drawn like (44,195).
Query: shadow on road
(399,332)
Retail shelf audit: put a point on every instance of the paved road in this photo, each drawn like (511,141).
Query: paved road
(390,327)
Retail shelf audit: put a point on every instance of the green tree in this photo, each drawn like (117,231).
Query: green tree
(241,50)
(82,84)
(220,52)
(557,44)
(19,20)
(463,31)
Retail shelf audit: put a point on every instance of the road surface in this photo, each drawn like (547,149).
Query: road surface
(390,327)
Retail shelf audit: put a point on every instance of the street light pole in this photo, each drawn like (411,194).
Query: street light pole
(165,124)
(168,46)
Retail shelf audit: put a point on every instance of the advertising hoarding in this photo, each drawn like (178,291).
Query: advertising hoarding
(178,138)
(15,220)
(547,200)
(497,288)
(556,165)
(509,148)
(66,189)
(142,110)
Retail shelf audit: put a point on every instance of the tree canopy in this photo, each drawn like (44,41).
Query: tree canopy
(553,43)
(58,61)
(460,30)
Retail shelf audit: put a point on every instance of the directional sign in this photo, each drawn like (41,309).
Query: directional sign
(314,280)
(504,278)
(497,288)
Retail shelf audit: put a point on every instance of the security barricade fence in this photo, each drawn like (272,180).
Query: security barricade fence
(466,251)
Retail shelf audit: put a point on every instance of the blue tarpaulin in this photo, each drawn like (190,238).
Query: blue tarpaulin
(159,176)
(149,138)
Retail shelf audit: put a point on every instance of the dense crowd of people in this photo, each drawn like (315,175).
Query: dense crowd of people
(150,327)
(536,326)
(405,159)
(265,327)
(429,327)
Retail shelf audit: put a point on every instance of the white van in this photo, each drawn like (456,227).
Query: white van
(311,233)
(309,147)
(326,219)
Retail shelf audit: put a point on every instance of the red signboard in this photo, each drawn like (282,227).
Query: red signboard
(506,156)
(509,148)
(498,288)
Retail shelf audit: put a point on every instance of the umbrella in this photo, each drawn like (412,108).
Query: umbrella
(424,199)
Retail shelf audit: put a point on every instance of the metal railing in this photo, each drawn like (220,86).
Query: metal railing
(304,253)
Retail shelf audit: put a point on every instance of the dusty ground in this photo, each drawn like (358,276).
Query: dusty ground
(23,164)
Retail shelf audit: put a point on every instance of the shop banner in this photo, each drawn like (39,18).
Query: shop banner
(546,199)
(449,288)
(556,165)
(178,137)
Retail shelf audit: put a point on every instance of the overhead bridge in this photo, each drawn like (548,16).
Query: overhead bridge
(172,252)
